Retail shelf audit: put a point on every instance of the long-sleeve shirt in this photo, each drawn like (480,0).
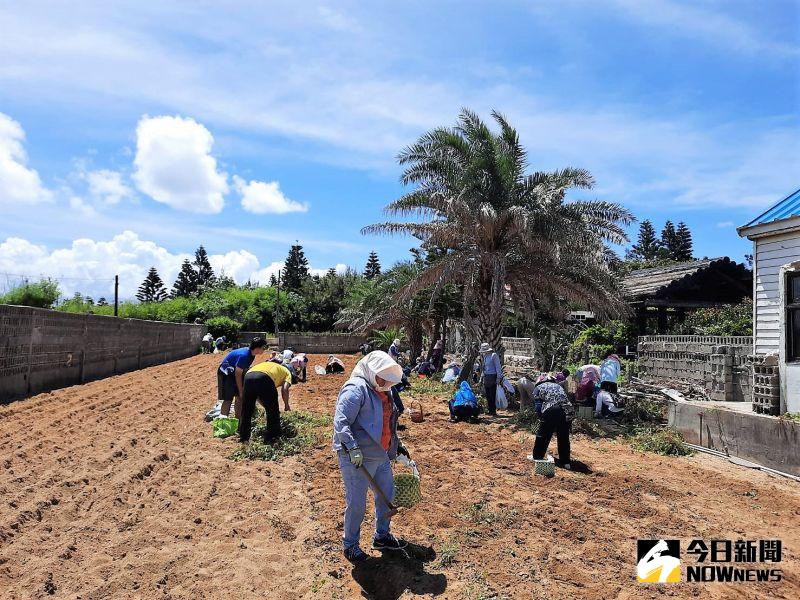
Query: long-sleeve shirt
(609,370)
(491,364)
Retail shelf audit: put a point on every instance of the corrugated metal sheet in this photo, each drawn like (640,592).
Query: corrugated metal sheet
(786,208)
(645,282)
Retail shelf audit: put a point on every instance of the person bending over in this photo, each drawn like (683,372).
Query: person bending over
(464,405)
(334,365)
(230,375)
(555,416)
(261,384)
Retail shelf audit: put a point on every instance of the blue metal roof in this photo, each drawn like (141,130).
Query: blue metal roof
(788,207)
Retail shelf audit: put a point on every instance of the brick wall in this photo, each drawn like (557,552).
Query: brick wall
(41,350)
(321,343)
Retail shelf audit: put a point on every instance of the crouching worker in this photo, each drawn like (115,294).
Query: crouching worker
(230,375)
(365,439)
(261,384)
(464,405)
(555,416)
(334,365)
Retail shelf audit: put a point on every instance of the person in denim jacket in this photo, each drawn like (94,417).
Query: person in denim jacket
(365,437)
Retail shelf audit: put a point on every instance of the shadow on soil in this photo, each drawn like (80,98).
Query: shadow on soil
(394,573)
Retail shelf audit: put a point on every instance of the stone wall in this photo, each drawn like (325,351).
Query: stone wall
(721,365)
(41,350)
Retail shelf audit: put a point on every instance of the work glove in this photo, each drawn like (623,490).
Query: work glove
(356,457)
(403,450)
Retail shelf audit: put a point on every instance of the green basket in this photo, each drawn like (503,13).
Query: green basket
(225,426)
(407,490)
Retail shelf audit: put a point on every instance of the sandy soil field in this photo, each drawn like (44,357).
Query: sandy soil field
(116,489)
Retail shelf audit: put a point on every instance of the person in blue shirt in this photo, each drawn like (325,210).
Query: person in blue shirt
(492,375)
(230,375)
(609,373)
(464,405)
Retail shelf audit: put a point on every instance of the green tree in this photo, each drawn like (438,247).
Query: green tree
(295,269)
(669,240)
(373,266)
(647,246)
(205,274)
(683,243)
(498,229)
(152,288)
(102,301)
(273,281)
(43,294)
(186,283)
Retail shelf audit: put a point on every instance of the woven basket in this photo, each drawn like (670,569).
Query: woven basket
(416,414)
(546,467)
(407,491)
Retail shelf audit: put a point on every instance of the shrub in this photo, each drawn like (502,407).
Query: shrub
(734,319)
(226,326)
(599,339)
(42,294)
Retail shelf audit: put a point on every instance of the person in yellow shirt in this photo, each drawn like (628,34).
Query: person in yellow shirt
(262,382)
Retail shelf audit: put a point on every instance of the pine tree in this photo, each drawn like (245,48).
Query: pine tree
(273,281)
(683,243)
(295,270)
(373,267)
(331,272)
(669,240)
(152,288)
(647,246)
(186,283)
(205,274)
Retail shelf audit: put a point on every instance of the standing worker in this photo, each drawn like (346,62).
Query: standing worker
(556,414)
(365,438)
(492,375)
(262,383)
(230,375)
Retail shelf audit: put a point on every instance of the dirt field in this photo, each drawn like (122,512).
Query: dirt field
(116,489)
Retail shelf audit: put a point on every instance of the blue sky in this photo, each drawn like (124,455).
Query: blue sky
(132,132)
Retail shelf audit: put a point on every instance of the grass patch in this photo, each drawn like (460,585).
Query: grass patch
(661,440)
(431,387)
(479,512)
(301,430)
(793,417)
(588,427)
(526,419)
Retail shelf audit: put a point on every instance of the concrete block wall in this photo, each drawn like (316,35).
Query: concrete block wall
(42,350)
(321,343)
(721,365)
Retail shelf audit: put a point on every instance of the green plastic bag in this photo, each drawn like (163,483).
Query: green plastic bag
(225,426)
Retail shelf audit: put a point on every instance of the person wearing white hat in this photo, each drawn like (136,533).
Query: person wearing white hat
(365,437)
(492,375)
(394,350)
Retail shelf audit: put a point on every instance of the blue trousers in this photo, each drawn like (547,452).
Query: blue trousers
(355,495)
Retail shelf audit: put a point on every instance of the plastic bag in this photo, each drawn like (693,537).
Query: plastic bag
(501,400)
(225,426)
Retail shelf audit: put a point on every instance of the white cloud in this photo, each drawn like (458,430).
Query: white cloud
(107,186)
(88,266)
(261,197)
(174,164)
(725,224)
(340,268)
(77,204)
(18,182)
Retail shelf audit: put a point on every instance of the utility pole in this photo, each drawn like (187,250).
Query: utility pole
(116,295)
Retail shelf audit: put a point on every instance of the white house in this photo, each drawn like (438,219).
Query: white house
(776,291)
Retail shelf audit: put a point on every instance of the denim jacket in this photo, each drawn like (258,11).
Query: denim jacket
(358,420)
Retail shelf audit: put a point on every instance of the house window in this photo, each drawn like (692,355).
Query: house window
(793,317)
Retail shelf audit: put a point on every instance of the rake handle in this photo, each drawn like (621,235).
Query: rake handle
(392,508)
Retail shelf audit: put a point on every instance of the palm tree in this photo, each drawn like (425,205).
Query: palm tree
(503,235)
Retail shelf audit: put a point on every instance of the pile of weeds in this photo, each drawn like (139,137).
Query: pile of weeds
(658,439)
(643,409)
(793,417)
(526,419)
(431,387)
(300,430)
